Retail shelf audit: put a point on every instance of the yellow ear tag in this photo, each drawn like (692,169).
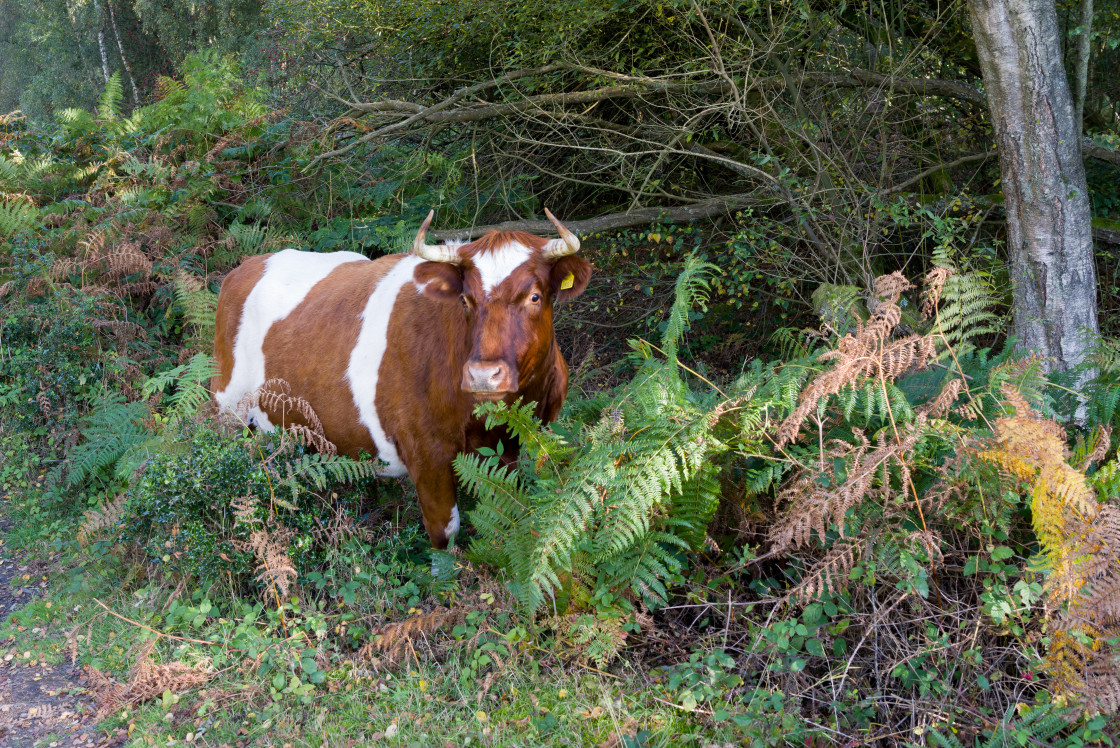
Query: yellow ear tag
(568,282)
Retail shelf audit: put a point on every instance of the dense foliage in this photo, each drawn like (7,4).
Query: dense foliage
(804,489)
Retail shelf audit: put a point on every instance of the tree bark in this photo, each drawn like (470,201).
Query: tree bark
(1049,231)
(124,60)
(1081,69)
(101,41)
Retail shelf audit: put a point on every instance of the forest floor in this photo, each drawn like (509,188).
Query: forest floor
(41,703)
(51,629)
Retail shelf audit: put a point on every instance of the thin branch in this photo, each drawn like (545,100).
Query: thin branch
(933,170)
(431,113)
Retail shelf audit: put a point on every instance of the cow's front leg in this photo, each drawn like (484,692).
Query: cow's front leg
(435,487)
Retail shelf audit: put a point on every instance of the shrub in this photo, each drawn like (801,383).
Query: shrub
(213,505)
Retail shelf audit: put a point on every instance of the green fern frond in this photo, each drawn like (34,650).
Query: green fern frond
(17,216)
(521,420)
(191,382)
(322,470)
(250,238)
(692,289)
(646,566)
(111,429)
(966,312)
(76,122)
(199,307)
(108,106)
(1042,725)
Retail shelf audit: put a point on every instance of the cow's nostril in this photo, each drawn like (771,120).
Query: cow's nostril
(487,377)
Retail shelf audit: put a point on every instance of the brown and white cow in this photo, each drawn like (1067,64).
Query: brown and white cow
(394,353)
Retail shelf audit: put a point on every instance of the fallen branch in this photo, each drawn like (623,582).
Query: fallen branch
(949,89)
(1108,236)
(615,221)
(1104,154)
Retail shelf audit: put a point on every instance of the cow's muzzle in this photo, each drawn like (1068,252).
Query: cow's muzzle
(489,379)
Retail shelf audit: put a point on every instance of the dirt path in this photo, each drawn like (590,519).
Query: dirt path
(41,705)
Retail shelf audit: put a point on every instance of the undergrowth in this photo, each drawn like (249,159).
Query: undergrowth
(898,531)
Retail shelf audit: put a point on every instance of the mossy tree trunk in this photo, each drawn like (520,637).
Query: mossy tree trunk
(1049,234)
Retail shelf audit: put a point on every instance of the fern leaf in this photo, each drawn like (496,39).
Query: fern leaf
(108,107)
(17,216)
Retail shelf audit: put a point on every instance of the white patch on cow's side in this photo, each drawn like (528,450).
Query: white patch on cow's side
(365,359)
(287,279)
(452,528)
(496,265)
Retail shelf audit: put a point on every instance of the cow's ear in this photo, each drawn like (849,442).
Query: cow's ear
(569,277)
(440,280)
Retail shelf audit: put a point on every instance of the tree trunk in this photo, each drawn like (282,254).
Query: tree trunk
(1081,65)
(1049,233)
(124,60)
(101,41)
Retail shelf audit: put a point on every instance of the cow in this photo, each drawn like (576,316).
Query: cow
(393,354)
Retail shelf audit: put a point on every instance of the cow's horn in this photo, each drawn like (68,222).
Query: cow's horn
(567,244)
(433,252)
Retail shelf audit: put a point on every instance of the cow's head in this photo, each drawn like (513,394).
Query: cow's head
(506,284)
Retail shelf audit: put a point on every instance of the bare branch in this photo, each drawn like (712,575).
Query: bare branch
(443,113)
(614,221)
(933,170)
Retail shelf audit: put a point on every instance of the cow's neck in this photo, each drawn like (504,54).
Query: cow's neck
(538,385)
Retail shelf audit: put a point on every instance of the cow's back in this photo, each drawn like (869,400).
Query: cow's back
(304,318)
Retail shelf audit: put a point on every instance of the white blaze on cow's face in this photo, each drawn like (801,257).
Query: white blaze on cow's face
(500,263)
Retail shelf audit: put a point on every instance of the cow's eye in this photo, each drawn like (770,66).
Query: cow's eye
(535,298)
(466,304)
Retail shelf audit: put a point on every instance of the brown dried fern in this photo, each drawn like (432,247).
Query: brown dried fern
(103,518)
(146,680)
(935,285)
(1081,539)
(1032,449)
(275,398)
(811,507)
(868,353)
(394,639)
(275,568)
(830,572)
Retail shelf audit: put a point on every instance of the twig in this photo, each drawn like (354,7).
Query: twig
(933,170)
(162,634)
